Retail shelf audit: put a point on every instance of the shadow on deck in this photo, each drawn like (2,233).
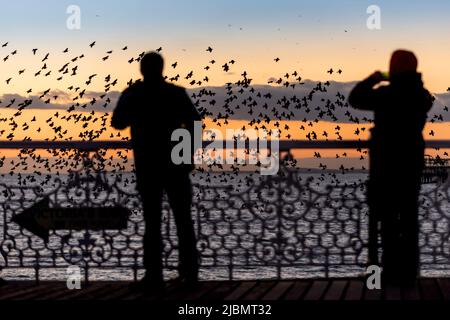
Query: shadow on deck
(306,290)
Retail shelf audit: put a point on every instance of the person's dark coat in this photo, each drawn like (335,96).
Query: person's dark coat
(396,151)
(154,111)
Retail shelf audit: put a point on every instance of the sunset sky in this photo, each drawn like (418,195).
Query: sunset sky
(308,36)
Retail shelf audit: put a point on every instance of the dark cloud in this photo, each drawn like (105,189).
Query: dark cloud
(213,100)
(63,101)
(281,97)
(321,101)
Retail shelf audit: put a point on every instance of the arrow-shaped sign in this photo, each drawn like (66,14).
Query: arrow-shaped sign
(40,218)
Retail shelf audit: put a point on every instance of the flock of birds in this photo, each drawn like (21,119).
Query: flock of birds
(263,109)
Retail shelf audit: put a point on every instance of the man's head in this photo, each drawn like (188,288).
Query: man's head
(403,61)
(152,65)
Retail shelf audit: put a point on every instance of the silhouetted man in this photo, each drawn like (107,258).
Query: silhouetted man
(153,109)
(396,163)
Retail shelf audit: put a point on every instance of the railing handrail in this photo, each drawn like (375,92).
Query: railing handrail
(284,145)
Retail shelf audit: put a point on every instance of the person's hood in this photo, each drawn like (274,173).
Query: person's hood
(403,61)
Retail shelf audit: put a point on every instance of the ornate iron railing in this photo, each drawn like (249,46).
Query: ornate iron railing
(291,225)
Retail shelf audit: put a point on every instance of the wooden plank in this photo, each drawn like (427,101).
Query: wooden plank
(65,293)
(9,288)
(14,290)
(277,291)
(355,290)
(24,290)
(3,283)
(177,294)
(54,293)
(392,293)
(41,292)
(116,294)
(126,293)
(240,291)
(336,290)
(172,285)
(372,295)
(411,293)
(106,288)
(129,293)
(86,293)
(297,291)
(444,285)
(429,290)
(171,288)
(137,295)
(317,290)
(180,292)
(259,291)
(220,292)
(204,288)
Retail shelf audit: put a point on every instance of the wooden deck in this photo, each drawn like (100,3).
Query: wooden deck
(306,290)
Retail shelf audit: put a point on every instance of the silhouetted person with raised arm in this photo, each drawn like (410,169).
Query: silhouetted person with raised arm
(396,163)
(153,109)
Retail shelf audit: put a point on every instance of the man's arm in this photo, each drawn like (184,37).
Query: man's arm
(364,96)
(121,118)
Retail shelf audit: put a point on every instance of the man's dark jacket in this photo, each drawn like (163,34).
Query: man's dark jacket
(153,111)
